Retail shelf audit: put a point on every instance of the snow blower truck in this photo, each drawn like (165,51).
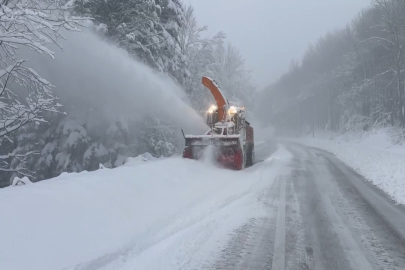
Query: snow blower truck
(230,134)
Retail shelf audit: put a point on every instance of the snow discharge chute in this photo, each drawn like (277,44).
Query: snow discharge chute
(230,134)
(222,103)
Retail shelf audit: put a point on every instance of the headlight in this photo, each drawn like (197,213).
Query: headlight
(232,110)
(212,109)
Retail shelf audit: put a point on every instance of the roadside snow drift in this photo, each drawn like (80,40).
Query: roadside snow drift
(164,214)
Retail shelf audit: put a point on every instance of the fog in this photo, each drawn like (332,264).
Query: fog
(100,82)
(271,33)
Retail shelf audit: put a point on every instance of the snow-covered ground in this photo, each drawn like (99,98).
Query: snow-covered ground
(372,154)
(162,214)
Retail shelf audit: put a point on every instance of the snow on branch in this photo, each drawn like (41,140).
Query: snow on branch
(33,24)
(15,162)
(21,181)
(24,95)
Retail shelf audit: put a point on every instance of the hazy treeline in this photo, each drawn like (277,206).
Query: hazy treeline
(351,79)
(164,35)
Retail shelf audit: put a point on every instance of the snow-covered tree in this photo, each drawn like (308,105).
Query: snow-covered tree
(200,52)
(391,37)
(207,56)
(173,59)
(24,95)
(229,70)
(15,162)
(62,147)
(158,137)
(148,30)
(352,79)
(161,33)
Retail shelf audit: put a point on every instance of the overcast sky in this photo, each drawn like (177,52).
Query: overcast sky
(271,33)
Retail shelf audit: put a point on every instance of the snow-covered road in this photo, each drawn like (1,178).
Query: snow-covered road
(321,215)
(297,208)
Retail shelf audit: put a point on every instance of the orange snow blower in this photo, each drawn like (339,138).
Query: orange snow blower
(230,133)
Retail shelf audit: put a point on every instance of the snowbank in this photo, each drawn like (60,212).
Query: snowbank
(21,181)
(147,157)
(165,214)
(371,154)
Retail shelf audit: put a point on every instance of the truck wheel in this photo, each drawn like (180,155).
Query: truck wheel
(253,155)
(239,160)
(250,156)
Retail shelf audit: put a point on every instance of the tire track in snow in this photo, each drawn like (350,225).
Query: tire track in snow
(279,243)
(251,244)
(326,191)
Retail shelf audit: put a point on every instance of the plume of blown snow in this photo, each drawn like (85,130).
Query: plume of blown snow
(97,80)
(209,155)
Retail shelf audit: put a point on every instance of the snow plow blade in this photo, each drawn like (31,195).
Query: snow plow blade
(227,150)
(209,140)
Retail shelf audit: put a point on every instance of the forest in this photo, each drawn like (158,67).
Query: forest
(350,80)
(45,130)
